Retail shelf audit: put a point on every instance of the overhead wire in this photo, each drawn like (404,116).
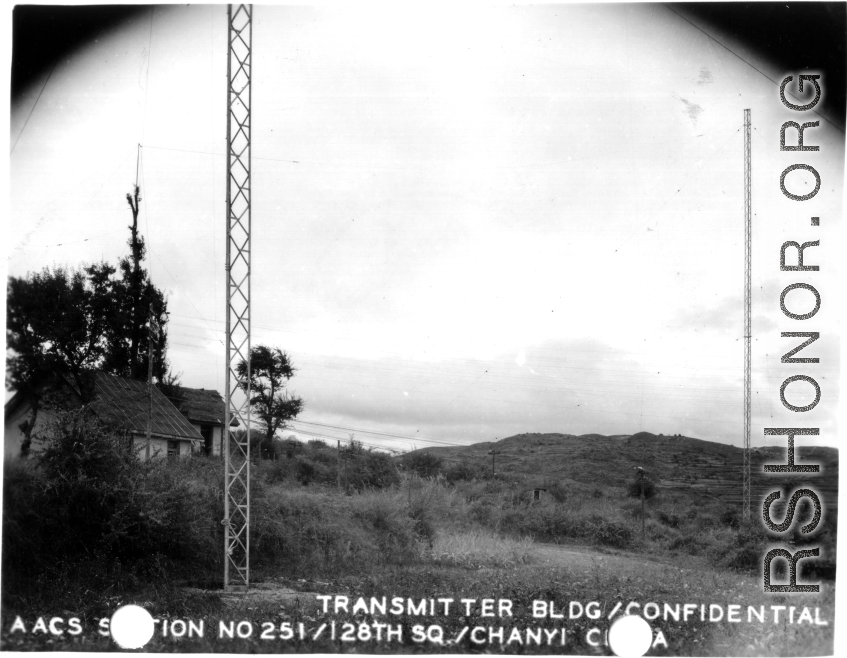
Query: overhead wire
(734,54)
(32,109)
(379,433)
(461,394)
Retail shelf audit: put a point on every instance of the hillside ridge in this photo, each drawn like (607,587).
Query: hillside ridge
(679,463)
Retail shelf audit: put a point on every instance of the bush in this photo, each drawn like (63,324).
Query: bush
(387,519)
(423,464)
(731,518)
(88,503)
(670,520)
(370,469)
(691,544)
(609,533)
(460,471)
(303,533)
(633,489)
(315,463)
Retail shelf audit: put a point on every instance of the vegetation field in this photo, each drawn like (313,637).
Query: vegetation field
(87,529)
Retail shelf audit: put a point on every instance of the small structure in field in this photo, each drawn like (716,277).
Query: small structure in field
(117,400)
(204,409)
(539,495)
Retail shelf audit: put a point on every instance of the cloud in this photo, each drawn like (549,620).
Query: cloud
(724,315)
(568,386)
(694,110)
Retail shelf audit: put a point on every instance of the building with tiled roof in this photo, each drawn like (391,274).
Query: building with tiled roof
(119,401)
(204,409)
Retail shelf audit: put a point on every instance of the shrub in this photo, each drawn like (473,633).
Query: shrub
(305,471)
(370,469)
(670,520)
(317,463)
(691,544)
(277,471)
(460,471)
(731,518)
(633,489)
(88,506)
(387,519)
(746,553)
(23,536)
(423,464)
(609,533)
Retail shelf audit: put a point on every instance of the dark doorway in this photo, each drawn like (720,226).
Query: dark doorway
(206,432)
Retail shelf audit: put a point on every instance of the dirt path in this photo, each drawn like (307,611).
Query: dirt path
(269,592)
(586,556)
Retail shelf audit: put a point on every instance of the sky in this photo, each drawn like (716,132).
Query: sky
(468,222)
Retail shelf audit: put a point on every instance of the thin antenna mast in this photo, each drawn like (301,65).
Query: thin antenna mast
(137,164)
(237,448)
(748,229)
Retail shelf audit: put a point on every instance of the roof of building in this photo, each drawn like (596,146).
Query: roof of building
(124,402)
(200,405)
(12,403)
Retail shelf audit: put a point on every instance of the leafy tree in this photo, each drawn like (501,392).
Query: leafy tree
(270,370)
(56,327)
(63,323)
(135,296)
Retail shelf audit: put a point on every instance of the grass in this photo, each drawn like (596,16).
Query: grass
(480,548)
(411,536)
(522,585)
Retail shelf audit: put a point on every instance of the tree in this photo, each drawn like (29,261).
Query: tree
(56,327)
(65,323)
(135,295)
(270,370)
(633,488)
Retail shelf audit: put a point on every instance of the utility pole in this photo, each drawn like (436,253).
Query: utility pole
(236,519)
(493,454)
(339,465)
(152,332)
(641,492)
(748,231)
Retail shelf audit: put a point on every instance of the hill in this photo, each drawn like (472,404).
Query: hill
(683,464)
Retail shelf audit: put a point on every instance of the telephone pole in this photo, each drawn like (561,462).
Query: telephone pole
(748,230)
(152,332)
(493,454)
(641,481)
(236,520)
(338,476)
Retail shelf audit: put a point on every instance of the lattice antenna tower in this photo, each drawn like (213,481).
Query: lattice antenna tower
(748,333)
(237,408)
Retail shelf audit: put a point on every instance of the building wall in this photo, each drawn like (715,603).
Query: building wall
(216,437)
(13,437)
(158,447)
(217,441)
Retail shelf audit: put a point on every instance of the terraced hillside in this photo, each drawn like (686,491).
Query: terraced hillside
(680,463)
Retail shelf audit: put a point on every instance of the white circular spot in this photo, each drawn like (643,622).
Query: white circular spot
(131,627)
(630,636)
